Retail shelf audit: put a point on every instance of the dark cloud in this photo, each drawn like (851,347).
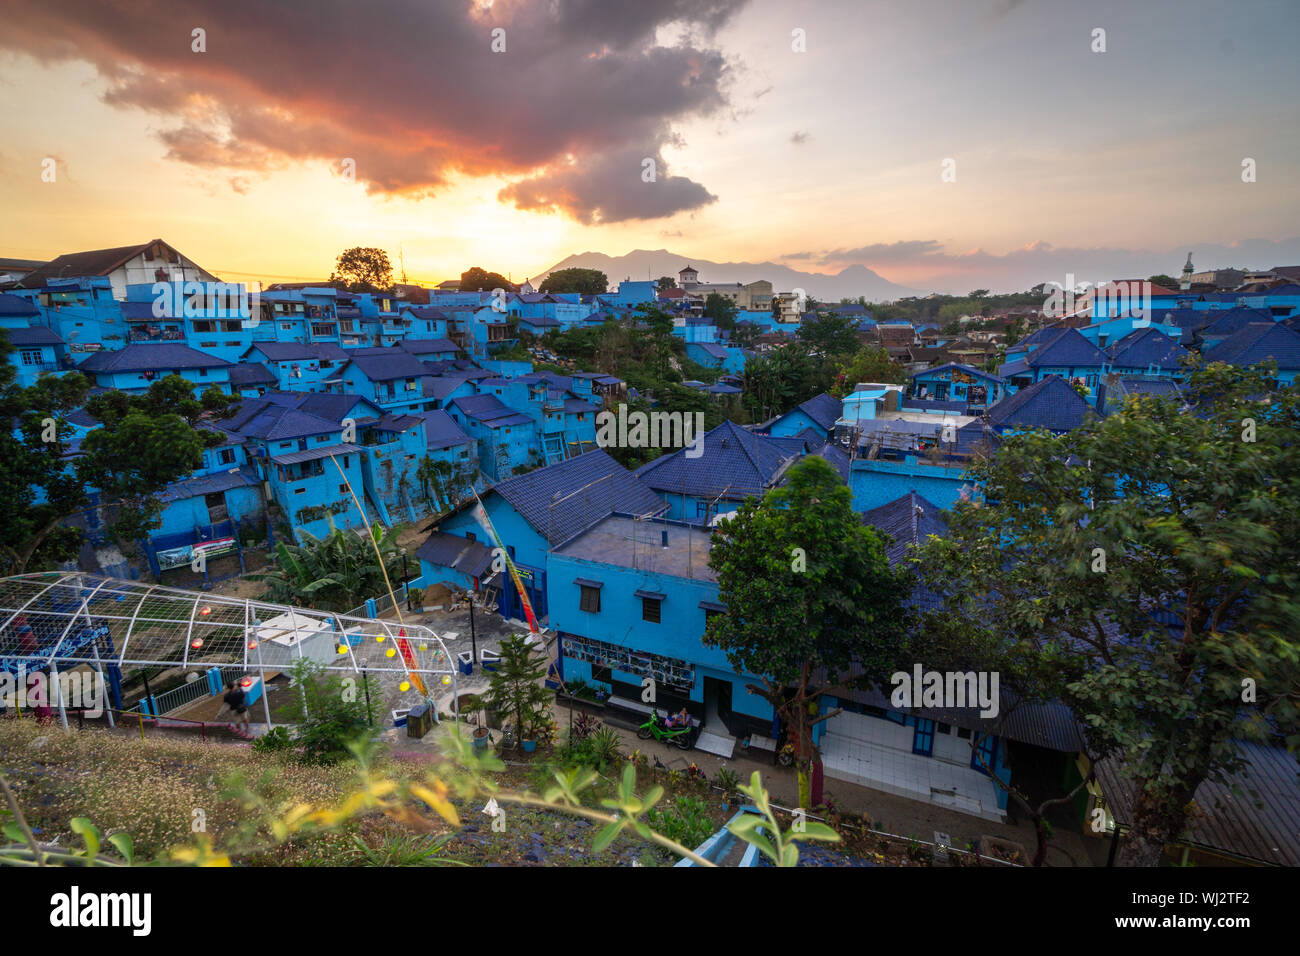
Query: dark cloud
(411,89)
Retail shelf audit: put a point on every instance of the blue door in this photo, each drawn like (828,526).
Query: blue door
(923,737)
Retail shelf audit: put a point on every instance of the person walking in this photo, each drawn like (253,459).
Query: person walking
(235,700)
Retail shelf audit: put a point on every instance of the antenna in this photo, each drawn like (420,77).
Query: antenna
(401,259)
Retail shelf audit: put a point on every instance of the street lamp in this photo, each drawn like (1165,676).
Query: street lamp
(366,683)
(408,590)
(473,638)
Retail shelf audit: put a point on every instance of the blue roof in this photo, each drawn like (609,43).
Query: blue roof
(441,431)
(386,368)
(907,520)
(567,498)
(824,409)
(151,357)
(251,373)
(1255,343)
(245,476)
(722,389)
(716,351)
(1052,404)
(429,346)
(575,405)
(733,461)
(470,558)
(34,335)
(440,386)
(1227,321)
(331,406)
(490,410)
(1066,349)
(16,305)
(299,351)
(1012,369)
(1112,393)
(539,321)
(425,312)
(1144,348)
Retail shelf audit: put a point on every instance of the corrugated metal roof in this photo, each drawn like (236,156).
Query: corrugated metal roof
(312,454)
(1261,822)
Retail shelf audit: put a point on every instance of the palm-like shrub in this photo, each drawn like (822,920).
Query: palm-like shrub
(335,573)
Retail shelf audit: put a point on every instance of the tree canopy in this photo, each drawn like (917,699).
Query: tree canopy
(479,280)
(141,444)
(582,281)
(363,269)
(809,591)
(1143,568)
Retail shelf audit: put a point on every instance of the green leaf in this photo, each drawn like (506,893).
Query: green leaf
(607,834)
(124,845)
(89,833)
(816,831)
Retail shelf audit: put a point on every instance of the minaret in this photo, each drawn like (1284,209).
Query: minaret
(1186,283)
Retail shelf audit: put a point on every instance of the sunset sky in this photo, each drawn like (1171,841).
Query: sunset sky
(1065,159)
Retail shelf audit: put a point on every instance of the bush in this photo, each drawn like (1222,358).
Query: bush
(329,718)
(685,820)
(275,740)
(604,745)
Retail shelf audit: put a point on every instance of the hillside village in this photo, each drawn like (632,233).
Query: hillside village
(421,410)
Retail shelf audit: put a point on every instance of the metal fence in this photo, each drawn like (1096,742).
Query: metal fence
(173,700)
(383,604)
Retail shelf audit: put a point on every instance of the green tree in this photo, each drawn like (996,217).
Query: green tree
(870,363)
(330,715)
(809,591)
(141,444)
(334,573)
(721,309)
(583,281)
(479,280)
(517,686)
(779,379)
(363,269)
(830,334)
(665,283)
(1145,567)
(1167,282)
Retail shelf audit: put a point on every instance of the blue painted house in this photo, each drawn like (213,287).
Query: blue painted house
(507,439)
(629,599)
(299,366)
(1150,352)
(1050,403)
(972,388)
(1257,343)
(392,378)
(734,463)
(533,513)
(136,367)
(818,413)
(1064,352)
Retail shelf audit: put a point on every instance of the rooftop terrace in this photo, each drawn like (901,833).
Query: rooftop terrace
(638,543)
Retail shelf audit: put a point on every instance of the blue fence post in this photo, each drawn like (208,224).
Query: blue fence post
(372,612)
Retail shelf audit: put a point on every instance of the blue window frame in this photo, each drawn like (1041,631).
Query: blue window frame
(984,753)
(923,737)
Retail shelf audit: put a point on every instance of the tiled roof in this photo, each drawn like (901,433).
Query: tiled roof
(95,262)
(151,357)
(426,312)
(549,498)
(429,346)
(716,351)
(1255,343)
(908,520)
(1226,321)
(576,405)
(1112,391)
(1052,404)
(264,419)
(1066,349)
(440,386)
(245,476)
(386,368)
(314,454)
(733,461)
(33,335)
(1144,348)
(299,351)
(1012,369)
(441,431)
(824,409)
(251,373)
(331,406)
(12,305)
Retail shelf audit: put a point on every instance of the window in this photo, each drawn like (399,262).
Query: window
(298,491)
(589,600)
(31,356)
(343,488)
(226,456)
(963,733)
(650,610)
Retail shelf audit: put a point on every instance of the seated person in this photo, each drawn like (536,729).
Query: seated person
(679,719)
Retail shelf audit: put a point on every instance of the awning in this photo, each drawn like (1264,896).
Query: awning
(588,583)
(652,595)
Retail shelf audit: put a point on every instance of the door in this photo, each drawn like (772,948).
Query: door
(984,753)
(717,705)
(923,737)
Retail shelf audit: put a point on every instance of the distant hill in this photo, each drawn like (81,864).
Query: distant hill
(641,264)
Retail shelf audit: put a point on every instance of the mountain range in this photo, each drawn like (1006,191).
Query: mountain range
(640,264)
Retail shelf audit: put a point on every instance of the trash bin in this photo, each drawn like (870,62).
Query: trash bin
(419,721)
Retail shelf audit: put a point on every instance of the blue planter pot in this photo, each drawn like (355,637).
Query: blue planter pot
(529,745)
